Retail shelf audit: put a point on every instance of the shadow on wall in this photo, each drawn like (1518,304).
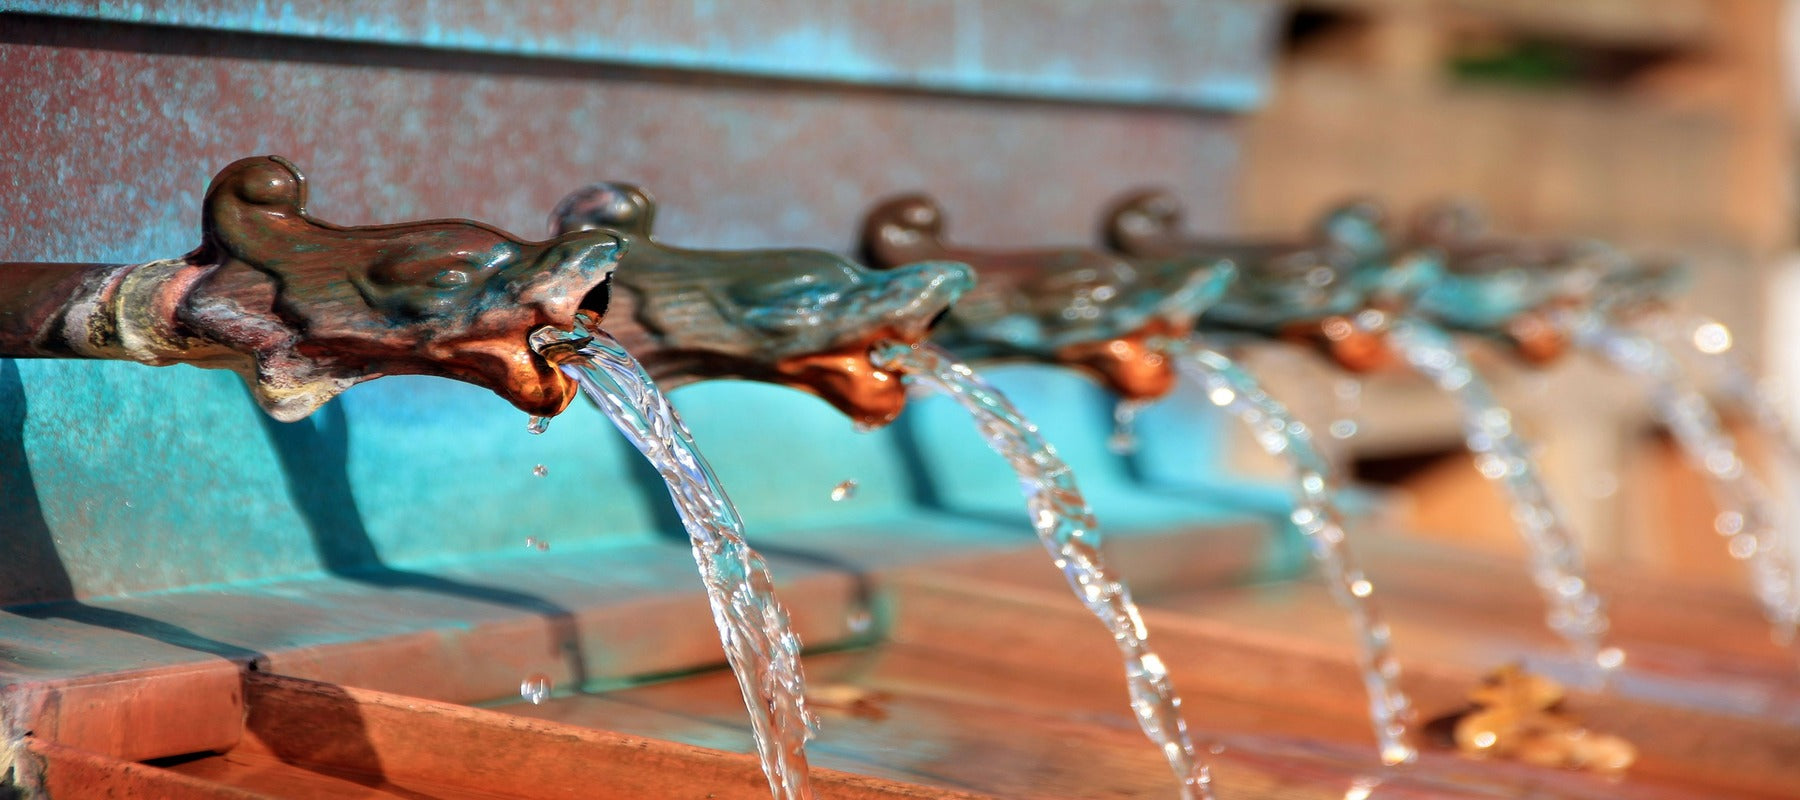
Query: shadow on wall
(315,458)
(38,584)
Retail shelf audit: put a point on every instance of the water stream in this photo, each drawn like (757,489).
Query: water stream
(1067,528)
(1319,518)
(762,651)
(1749,517)
(1575,611)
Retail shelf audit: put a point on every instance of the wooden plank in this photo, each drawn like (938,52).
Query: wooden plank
(1021,625)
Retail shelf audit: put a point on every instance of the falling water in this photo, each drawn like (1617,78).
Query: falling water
(752,624)
(1575,612)
(1317,515)
(1749,518)
(1067,528)
(1124,440)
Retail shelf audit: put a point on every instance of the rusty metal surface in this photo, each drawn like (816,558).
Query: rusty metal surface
(415,470)
(1172,52)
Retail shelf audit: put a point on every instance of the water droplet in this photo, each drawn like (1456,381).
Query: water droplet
(1722,463)
(1343,428)
(1364,788)
(843,491)
(1393,754)
(1729,523)
(1361,587)
(1610,658)
(863,427)
(1216,748)
(540,545)
(860,621)
(537,424)
(1712,338)
(535,688)
(1742,546)
(540,470)
(1124,441)
(1222,396)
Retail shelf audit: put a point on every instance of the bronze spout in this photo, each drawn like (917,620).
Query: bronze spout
(304,309)
(1322,290)
(1522,290)
(1076,307)
(806,319)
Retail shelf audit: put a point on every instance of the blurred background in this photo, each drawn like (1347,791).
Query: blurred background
(1665,126)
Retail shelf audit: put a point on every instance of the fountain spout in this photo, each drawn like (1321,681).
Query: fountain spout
(806,319)
(1082,308)
(1523,291)
(304,309)
(1334,289)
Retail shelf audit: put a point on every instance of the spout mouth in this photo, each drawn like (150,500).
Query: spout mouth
(1352,346)
(918,296)
(1537,339)
(568,284)
(912,300)
(848,379)
(1134,366)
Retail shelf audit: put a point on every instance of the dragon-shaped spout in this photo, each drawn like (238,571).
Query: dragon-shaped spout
(1520,290)
(801,318)
(304,309)
(1072,306)
(1335,288)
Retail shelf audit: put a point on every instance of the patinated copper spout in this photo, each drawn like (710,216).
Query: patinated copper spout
(1517,290)
(1334,289)
(1071,306)
(801,318)
(304,309)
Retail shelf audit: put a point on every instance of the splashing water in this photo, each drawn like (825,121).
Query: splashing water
(1576,612)
(1067,528)
(1321,521)
(1761,402)
(753,626)
(1749,517)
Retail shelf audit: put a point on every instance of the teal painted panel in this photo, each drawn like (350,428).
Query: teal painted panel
(1211,55)
(145,478)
